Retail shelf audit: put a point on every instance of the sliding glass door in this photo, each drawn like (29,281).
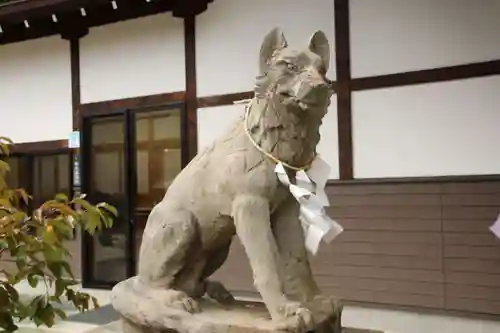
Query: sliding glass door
(128,160)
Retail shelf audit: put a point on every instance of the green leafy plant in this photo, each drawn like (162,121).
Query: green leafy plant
(36,242)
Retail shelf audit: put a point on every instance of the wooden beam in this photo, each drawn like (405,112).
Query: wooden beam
(98,12)
(343,64)
(107,107)
(74,44)
(460,72)
(41,147)
(190,124)
(225,99)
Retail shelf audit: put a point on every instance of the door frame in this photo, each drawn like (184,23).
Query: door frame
(130,181)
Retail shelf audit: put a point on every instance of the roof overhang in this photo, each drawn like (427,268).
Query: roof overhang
(29,19)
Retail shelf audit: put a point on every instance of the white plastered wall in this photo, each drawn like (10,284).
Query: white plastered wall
(228,39)
(391,36)
(35,90)
(138,57)
(439,129)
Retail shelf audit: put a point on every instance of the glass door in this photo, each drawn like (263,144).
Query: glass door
(105,255)
(129,160)
(158,161)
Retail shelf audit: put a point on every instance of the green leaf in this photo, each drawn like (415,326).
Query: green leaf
(47,315)
(4,299)
(14,295)
(7,322)
(68,269)
(60,313)
(62,227)
(93,221)
(108,207)
(60,287)
(95,303)
(32,280)
(53,253)
(61,197)
(56,268)
(49,236)
(24,195)
(4,167)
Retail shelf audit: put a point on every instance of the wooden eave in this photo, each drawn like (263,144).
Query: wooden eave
(69,21)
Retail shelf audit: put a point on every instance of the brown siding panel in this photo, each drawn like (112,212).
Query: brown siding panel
(424,244)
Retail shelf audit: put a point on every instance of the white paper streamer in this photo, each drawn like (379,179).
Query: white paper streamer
(309,191)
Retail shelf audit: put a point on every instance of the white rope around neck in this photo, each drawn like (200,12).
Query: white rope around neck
(308,190)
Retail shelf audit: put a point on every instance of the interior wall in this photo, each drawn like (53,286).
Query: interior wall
(215,121)
(230,32)
(392,36)
(35,94)
(138,57)
(437,129)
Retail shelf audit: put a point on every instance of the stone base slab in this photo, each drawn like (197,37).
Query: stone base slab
(240,317)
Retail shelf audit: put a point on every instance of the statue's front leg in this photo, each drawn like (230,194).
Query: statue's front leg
(298,278)
(253,227)
(287,229)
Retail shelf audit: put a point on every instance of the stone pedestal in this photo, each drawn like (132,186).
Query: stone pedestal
(240,317)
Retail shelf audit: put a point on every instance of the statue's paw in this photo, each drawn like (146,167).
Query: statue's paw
(327,305)
(296,318)
(216,291)
(179,300)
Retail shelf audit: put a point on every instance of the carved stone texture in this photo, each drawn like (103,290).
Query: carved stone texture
(238,317)
(230,188)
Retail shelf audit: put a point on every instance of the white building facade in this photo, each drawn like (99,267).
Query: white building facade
(411,134)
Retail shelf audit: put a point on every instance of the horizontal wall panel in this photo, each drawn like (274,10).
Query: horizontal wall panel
(403,249)
(473,305)
(396,286)
(389,224)
(473,292)
(473,279)
(35,98)
(403,211)
(471,212)
(138,57)
(383,297)
(390,255)
(385,200)
(439,129)
(229,35)
(396,190)
(471,239)
(389,237)
(216,121)
(465,200)
(406,35)
(330,257)
(386,274)
(471,252)
(467,225)
(488,266)
(485,187)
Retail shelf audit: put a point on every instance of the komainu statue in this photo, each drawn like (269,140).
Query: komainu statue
(231,189)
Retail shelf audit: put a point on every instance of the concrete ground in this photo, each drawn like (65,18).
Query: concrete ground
(388,321)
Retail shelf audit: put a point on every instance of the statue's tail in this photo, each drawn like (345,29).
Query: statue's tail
(144,309)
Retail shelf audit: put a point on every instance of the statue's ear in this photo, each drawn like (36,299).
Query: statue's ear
(274,40)
(319,45)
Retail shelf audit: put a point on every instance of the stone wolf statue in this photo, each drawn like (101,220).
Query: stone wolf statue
(230,188)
